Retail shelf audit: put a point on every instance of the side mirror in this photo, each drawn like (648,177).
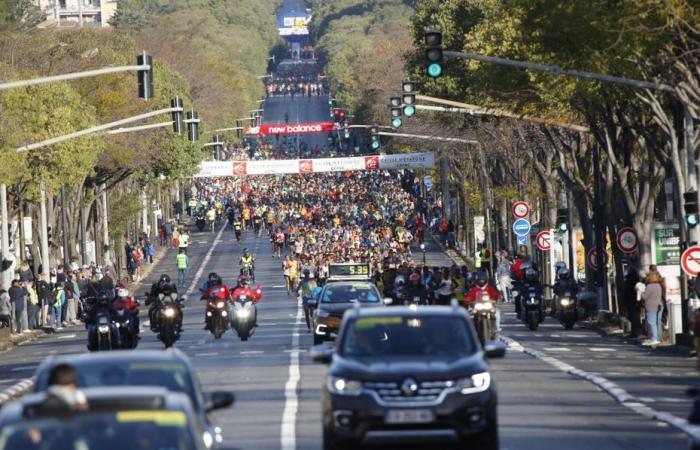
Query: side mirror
(322,353)
(218,400)
(494,349)
(388,300)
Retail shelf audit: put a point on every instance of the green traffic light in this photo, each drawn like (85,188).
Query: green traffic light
(375,145)
(563,227)
(396,122)
(434,70)
(691,220)
(409,110)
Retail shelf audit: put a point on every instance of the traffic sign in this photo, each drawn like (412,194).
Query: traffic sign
(522,240)
(544,240)
(627,240)
(690,261)
(520,210)
(521,227)
(592,260)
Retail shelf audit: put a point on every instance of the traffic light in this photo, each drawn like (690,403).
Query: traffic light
(192,121)
(396,112)
(178,124)
(338,115)
(145,77)
(690,200)
(375,143)
(563,219)
(239,131)
(408,98)
(433,52)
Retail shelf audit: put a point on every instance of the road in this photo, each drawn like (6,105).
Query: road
(277,385)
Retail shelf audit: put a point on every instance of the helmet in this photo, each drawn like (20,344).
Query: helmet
(165,278)
(414,278)
(122,292)
(400,281)
(531,274)
(481,279)
(245,251)
(563,274)
(221,293)
(212,275)
(245,282)
(103,296)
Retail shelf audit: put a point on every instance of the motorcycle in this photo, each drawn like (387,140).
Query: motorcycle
(217,316)
(237,230)
(168,321)
(532,307)
(484,316)
(200,222)
(124,337)
(248,271)
(567,311)
(243,316)
(104,331)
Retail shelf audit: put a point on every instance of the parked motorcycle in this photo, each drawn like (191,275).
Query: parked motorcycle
(217,316)
(484,316)
(243,316)
(567,311)
(169,320)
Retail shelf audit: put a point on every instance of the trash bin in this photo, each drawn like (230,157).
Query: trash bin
(675,319)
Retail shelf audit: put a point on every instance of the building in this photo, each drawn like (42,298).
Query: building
(77,13)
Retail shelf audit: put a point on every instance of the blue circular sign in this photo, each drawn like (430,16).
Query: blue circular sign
(521,227)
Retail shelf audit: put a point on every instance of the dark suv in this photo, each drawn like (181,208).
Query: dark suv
(408,375)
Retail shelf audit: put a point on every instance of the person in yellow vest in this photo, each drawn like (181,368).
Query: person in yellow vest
(191,206)
(182,262)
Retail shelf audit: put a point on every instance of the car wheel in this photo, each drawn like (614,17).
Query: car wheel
(486,440)
(318,339)
(330,442)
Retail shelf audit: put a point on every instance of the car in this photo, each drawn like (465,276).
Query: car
(408,374)
(348,284)
(114,418)
(169,368)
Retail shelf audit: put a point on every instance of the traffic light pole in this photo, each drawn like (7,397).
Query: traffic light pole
(73,76)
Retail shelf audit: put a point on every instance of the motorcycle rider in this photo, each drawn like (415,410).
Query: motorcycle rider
(237,227)
(214,286)
(416,289)
(129,303)
(244,288)
(100,304)
(247,263)
(153,299)
(213,279)
(168,289)
(563,285)
(481,288)
(531,281)
(214,294)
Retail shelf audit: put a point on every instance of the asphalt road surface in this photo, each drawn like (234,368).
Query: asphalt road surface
(277,385)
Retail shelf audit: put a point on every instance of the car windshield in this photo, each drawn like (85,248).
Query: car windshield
(350,293)
(173,376)
(385,336)
(133,430)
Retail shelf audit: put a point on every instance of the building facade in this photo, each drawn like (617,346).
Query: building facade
(77,13)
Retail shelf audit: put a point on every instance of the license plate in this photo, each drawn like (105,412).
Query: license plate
(410,416)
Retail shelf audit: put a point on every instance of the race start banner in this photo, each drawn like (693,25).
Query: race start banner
(423,160)
(268,129)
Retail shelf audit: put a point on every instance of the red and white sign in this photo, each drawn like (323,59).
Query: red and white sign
(544,240)
(690,261)
(292,128)
(592,260)
(318,165)
(627,240)
(520,210)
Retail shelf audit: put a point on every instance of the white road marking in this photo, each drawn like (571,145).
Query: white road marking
(8,380)
(278,286)
(197,355)
(288,438)
(67,336)
(252,352)
(21,368)
(200,271)
(557,349)
(601,349)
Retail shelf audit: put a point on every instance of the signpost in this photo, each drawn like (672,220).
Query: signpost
(591,259)
(627,240)
(544,240)
(690,261)
(521,227)
(522,240)
(520,210)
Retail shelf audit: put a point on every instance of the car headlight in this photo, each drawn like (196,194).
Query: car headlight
(479,382)
(220,304)
(343,386)
(565,301)
(485,306)
(169,312)
(243,313)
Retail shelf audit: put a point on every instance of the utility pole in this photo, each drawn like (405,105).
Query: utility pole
(6,275)
(107,255)
(44,234)
(64,228)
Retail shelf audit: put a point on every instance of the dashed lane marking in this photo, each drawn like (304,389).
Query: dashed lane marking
(200,271)
(557,349)
(199,355)
(288,439)
(22,368)
(601,349)
(67,336)
(252,352)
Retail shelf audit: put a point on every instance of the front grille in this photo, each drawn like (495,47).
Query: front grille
(391,392)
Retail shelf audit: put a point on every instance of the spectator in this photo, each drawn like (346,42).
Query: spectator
(503,276)
(59,299)
(629,298)
(18,297)
(43,290)
(33,306)
(653,305)
(5,309)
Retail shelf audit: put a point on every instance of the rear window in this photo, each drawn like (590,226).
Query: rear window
(172,376)
(386,336)
(350,293)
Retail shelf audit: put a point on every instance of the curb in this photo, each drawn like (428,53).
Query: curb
(620,395)
(16,390)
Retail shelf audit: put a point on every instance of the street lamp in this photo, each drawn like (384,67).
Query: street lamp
(422,248)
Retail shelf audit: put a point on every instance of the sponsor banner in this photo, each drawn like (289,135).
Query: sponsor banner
(318,165)
(292,128)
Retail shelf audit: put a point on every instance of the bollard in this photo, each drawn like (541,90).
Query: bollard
(675,319)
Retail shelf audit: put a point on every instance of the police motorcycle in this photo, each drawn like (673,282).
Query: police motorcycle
(243,310)
(98,321)
(484,317)
(217,313)
(169,316)
(200,220)
(247,263)
(529,300)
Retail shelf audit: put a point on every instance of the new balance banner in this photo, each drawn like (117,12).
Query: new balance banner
(318,165)
(291,128)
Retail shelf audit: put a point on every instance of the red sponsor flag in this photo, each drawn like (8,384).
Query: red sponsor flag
(239,168)
(306,166)
(372,162)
